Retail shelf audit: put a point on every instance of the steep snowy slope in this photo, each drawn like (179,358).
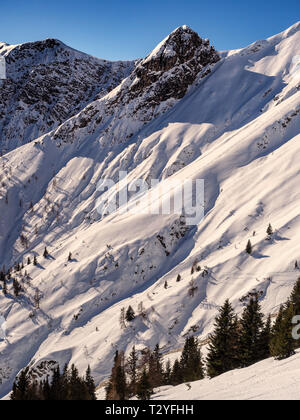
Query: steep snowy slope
(182,114)
(47,83)
(267,380)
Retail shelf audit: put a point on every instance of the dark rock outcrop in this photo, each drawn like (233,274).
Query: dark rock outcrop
(179,58)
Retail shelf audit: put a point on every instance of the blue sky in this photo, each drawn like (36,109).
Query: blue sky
(127,29)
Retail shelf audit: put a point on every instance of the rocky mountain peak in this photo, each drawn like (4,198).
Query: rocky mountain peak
(156,82)
(183,54)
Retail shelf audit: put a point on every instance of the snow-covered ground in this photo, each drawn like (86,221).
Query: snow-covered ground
(267,380)
(237,127)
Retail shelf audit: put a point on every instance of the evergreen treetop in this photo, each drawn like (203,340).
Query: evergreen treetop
(222,350)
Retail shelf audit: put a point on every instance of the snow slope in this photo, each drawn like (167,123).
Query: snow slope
(267,380)
(183,113)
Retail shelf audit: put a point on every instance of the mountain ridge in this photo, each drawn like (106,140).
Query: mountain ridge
(246,152)
(47,83)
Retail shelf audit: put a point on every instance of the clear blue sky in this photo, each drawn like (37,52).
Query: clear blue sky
(127,29)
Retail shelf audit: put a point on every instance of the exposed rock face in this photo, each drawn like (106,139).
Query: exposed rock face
(47,83)
(153,87)
(183,54)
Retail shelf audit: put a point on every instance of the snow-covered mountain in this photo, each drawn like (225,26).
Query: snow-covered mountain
(47,83)
(184,112)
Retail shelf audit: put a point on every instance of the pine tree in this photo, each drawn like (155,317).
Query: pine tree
(222,355)
(117,387)
(64,383)
(121,385)
(265,340)
(110,388)
(46,390)
(90,384)
(295,301)
(35,261)
(177,374)
(78,390)
(295,298)
(251,329)
(156,368)
(270,231)
(249,248)
(130,315)
(56,385)
(132,370)
(46,253)
(17,288)
(277,324)
(282,343)
(144,390)
(191,361)
(20,391)
(168,373)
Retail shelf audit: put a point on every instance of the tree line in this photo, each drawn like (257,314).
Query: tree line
(235,343)
(64,386)
(141,372)
(238,343)
(7,277)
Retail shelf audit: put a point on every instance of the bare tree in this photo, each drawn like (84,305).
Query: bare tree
(122,319)
(37,298)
